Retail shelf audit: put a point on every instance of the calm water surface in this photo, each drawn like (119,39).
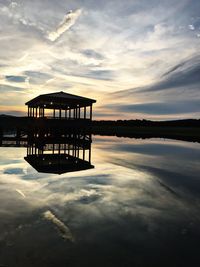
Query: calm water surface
(139,206)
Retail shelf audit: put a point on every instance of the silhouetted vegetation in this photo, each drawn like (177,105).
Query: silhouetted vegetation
(145,123)
(188,130)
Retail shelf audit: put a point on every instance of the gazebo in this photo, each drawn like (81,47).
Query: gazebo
(59,154)
(60,105)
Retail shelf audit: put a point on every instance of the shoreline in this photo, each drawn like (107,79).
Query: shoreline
(186,130)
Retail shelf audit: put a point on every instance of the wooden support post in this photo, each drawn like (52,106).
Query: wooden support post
(65,147)
(77,154)
(84,113)
(53,148)
(90,154)
(69,113)
(54,113)
(75,151)
(79,112)
(91,112)
(68,146)
(1,136)
(36,112)
(65,113)
(60,113)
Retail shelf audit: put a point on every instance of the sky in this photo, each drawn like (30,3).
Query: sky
(138,58)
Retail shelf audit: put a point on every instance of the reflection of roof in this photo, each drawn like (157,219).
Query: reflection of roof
(57,163)
(60,98)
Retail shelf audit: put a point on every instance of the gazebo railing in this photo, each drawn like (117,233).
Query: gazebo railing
(63,118)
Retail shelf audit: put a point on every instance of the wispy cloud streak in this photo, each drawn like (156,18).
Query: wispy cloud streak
(68,21)
(64,230)
(21,193)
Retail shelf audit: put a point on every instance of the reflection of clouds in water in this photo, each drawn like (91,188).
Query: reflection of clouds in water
(152,190)
(6,153)
(170,155)
(13,171)
(129,202)
(63,228)
(119,185)
(20,192)
(81,195)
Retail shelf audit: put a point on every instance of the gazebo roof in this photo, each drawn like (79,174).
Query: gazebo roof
(60,98)
(57,163)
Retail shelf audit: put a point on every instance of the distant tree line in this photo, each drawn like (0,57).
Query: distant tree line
(131,123)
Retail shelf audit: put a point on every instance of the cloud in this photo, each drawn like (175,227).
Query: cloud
(92,54)
(20,192)
(174,95)
(158,149)
(106,75)
(176,107)
(64,230)
(37,77)
(138,190)
(101,54)
(191,27)
(16,79)
(185,75)
(13,4)
(14,171)
(174,68)
(68,21)
(10,88)
(179,77)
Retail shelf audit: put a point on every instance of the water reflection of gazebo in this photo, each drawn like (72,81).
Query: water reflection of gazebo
(60,105)
(59,155)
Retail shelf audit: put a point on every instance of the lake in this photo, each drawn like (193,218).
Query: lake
(138,205)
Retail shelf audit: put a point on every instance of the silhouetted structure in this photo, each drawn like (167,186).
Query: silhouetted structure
(61,106)
(13,138)
(52,151)
(59,153)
